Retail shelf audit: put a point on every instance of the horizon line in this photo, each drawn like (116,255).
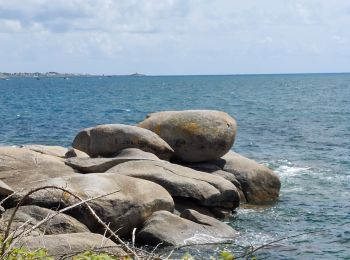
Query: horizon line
(172,75)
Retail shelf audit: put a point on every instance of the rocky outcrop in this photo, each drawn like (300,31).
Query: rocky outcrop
(29,216)
(108,140)
(123,202)
(191,227)
(68,245)
(195,135)
(88,165)
(19,166)
(259,184)
(132,185)
(179,181)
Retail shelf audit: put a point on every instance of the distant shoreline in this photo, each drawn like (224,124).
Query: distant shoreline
(4,75)
(58,75)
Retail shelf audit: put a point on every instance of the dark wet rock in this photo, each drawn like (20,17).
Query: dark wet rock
(195,135)
(179,181)
(88,165)
(28,216)
(191,227)
(5,190)
(108,140)
(182,204)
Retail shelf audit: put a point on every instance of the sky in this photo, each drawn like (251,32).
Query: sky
(175,37)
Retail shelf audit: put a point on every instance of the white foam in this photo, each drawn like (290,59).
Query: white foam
(202,239)
(288,170)
(254,239)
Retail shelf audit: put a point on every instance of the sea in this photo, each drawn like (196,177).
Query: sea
(297,124)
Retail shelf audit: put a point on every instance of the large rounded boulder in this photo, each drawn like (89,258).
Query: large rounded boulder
(195,135)
(108,140)
(190,227)
(29,216)
(123,202)
(259,184)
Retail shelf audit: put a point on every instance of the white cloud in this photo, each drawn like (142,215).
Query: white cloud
(10,26)
(173,36)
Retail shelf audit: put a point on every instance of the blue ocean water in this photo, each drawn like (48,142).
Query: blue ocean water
(299,125)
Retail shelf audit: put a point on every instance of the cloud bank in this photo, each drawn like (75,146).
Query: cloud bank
(175,36)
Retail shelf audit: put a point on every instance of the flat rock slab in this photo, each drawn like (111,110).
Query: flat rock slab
(89,165)
(125,204)
(179,181)
(68,245)
(189,228)
(259,184)
(57,151)
(195,135)
(108,140)
(19,166)
(28,216)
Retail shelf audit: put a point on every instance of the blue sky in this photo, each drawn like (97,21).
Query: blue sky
(175,36)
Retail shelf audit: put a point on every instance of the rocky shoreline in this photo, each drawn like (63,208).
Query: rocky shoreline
(172,178)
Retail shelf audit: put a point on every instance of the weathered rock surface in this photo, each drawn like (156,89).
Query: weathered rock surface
(259,183)
(179,181)
(192,227)
(72,152)
(195,135)
(69,245)
(57,151)
(19,166)
(108,140)
(216,170)
(130,203)
(88,165)
(32,215)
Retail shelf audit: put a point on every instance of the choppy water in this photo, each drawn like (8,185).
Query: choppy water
(299,125)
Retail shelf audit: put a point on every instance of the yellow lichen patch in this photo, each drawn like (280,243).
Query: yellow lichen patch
(157,129)
(66,196)
(191,127)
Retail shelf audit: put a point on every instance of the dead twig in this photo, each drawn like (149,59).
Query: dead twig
(97,218)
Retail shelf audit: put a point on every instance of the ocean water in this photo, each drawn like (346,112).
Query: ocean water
(299,125)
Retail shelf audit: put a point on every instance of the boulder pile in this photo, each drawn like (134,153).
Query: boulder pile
(170,178)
